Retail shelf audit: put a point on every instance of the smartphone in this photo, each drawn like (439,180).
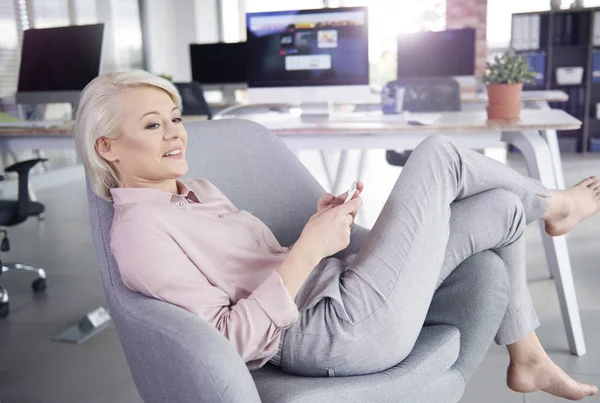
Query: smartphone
(351,191)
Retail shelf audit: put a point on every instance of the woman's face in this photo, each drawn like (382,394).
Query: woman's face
(150,148)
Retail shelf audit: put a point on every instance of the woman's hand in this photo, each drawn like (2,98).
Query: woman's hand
(328,200)
(328,231)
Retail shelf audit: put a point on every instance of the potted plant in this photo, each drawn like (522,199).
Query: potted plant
(504,79)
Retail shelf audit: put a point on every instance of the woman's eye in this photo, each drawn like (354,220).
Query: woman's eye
(152,126)
(177,120)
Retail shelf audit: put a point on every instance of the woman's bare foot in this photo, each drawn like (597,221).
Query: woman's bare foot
(543,374)
(569,207)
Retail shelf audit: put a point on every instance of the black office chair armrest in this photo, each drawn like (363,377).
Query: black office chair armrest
(24,166)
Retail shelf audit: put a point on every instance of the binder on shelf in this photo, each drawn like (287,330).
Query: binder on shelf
(596,66)
(516,33)
(520,32)
(525,31)
(596,28)
(567,38)
(558,29)
(534,31)
(537,63)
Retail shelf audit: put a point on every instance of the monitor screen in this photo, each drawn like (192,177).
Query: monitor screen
(308,48)
(437,54)
(218,63)
(60,59)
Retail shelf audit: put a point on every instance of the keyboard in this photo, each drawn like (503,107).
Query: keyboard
(31,124)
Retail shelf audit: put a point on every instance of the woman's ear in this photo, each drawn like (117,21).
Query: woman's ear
(105,149)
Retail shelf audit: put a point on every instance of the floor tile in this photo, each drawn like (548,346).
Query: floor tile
(488,385)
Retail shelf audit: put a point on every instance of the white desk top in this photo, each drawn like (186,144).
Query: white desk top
(372,124)
(449,122)
(526,96)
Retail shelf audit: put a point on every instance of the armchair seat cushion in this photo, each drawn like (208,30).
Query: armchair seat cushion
(435,352)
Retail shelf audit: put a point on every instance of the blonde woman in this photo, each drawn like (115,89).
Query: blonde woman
(185,243)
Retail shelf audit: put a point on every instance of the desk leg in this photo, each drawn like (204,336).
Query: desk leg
(540,165)
(334,182)
(340,172)
(552,140)
(327,172)
(361,165)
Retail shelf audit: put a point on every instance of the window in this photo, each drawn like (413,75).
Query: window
(126,35)
(50,13)
(9,49)
(85,12)
(124,41)
(254,6)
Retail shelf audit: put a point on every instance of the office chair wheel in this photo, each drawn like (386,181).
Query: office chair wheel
(39,285)
(4,309)
(41,216)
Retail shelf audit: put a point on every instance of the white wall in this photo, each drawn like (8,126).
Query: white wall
(170,27)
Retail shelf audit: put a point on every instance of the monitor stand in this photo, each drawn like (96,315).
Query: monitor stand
(228,95)
(315,109)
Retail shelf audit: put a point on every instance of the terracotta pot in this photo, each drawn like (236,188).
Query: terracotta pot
(504,101)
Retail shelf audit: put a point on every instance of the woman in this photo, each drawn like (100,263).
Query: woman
(187,244)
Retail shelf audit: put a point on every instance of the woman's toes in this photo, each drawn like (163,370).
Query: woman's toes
(587,181)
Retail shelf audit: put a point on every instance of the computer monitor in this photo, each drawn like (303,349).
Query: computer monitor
(57,63)
(437,54)
(309,56)
(219,65)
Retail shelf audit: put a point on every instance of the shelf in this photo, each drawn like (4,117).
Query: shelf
(540,49)
(571,47)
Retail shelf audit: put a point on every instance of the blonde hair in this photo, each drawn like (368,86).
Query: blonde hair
(98,115)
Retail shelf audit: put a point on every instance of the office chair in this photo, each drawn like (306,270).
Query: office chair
(13,212)
(192,97)
(441,94)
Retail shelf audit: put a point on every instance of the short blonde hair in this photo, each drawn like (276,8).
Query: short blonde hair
(98,115)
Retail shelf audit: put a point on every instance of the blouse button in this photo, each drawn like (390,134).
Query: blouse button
(257,242)
(221,216)
(181,204)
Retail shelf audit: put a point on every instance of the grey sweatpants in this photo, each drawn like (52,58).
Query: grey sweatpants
(364,315)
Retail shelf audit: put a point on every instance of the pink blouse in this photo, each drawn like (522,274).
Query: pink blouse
(198,251)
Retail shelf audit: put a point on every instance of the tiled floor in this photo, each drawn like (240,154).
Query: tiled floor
(35,369)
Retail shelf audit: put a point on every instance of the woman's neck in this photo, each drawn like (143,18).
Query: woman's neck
(169,185)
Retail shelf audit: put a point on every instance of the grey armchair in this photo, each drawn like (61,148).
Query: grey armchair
(175,356)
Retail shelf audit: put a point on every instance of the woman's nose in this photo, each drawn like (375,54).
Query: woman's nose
(173,131)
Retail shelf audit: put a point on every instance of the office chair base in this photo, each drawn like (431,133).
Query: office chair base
(39,284)
(4,306)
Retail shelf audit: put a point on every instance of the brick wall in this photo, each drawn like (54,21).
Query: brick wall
(471,14)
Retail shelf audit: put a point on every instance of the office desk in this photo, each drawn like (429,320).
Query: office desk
(526,96)
(467,129)
(60,137)
(35,138)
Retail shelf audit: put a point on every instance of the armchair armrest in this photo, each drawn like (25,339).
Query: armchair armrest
(177,357)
